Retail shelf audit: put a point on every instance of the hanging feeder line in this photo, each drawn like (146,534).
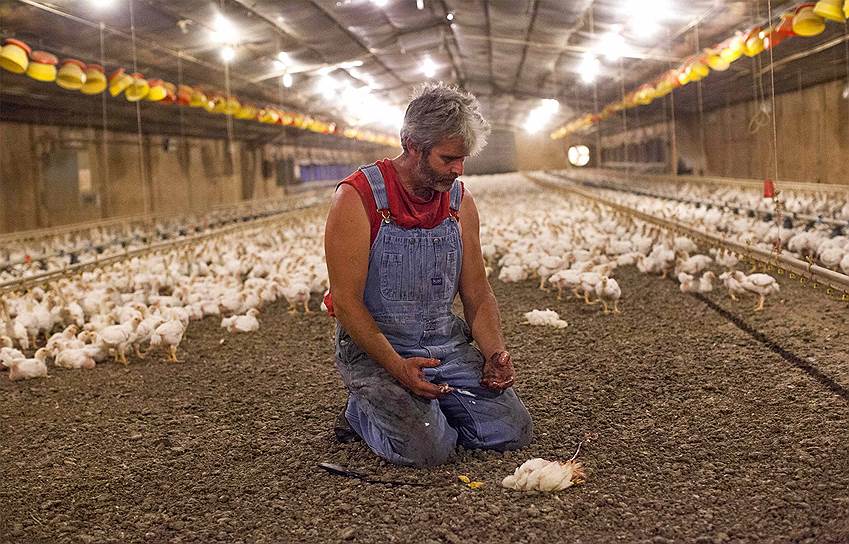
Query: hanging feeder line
(828,282)
(76,269)
(666,82)
(780,211)
(247,111)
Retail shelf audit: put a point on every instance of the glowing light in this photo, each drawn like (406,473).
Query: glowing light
(613,45)
(420,4)
(227,53)
(287,80)
(645,15)
(284,57)
(428,67)
(579,155)
(589,68)
(541,115)
(450,16)
(327,87)
(224,32)
(379,3)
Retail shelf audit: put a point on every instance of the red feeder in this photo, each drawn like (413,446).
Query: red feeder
(769,188)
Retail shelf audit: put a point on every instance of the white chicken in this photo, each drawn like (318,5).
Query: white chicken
(119,338)
(541,475)
(75,358)
(608,292)
(242,323)
(169,335)
(546,317)
(733,281)
(689,283)
(761,284)
(25,369)
(566,279)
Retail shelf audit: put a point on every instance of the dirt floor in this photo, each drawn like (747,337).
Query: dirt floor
(708,431)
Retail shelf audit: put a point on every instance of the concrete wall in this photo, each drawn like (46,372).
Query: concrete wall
(160,175)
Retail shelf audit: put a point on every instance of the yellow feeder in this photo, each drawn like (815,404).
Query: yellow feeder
(715,60)
(732,51)
(831,10)
(198,99)
(846,9)
(42,66)
(218,104)
(119,81)
(806,22)
(232,106)
(754,42)
(268,115)
(71,76)
(138,89)
(95,80)
(14,56)
(157,90)
(246,111)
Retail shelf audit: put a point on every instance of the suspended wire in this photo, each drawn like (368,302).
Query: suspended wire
(185,154)
(674,150)
(774,112)
(700,99)
(145,188)
(104,211)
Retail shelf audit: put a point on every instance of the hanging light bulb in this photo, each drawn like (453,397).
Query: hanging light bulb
(227,53)
(420,4)
(450,16)
(287,80)
(428,67)
(589,68)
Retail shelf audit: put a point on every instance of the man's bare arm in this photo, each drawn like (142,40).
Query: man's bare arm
(479,305)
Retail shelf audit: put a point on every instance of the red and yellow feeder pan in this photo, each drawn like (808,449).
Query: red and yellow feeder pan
(14,56)
(184,95)
(42,66)
(71,76)
(95,80)
(156,90)
(138,89)
(119,81)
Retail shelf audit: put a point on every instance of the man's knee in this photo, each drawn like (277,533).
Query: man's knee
(428,449)
(512,431)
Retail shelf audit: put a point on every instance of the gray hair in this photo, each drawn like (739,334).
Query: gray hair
(438,111)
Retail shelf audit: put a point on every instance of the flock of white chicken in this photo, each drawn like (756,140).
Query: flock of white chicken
(22,257)
(573,245)
(824,240)
(147,302)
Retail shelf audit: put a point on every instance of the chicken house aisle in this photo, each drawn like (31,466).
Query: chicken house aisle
(702,432)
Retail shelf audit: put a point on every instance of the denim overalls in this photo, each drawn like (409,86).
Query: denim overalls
(413,277)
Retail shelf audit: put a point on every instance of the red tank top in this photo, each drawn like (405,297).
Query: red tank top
(406,210)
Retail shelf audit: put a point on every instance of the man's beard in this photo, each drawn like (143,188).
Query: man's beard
(432,180)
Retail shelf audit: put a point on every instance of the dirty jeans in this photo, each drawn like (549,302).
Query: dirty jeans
(409,430)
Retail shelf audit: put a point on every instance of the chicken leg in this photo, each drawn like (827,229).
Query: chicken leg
(139,353)
(760,305)
(616,309)
(307,306)
(172,352)
(606,309)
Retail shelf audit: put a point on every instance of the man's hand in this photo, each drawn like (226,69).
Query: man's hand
(409,372)
(498,372)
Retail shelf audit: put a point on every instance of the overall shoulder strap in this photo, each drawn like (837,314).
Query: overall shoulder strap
(378,186)
(455,198)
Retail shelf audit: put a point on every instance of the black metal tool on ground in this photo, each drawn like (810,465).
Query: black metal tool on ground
(342,471)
